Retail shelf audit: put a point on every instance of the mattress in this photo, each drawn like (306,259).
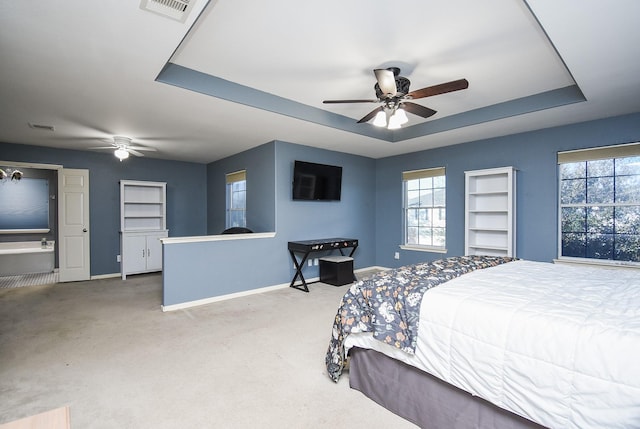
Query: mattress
(556,344)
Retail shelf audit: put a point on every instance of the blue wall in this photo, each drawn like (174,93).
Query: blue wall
(370,209)
(217,268)
(533,154)
(259,163)
(351,217)
(186,194)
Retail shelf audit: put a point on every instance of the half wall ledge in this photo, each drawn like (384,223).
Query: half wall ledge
(219,237)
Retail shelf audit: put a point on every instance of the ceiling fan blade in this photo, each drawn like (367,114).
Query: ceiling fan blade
(429,91)
(103,147)
(417,109)
(371,114)
(386,81)
(143,148)
(349,101)
(134,152)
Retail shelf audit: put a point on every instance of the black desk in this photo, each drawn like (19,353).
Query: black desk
(307,247)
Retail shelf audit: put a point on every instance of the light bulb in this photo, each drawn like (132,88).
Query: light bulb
(394,122)
(381,119)
(402,116)
(121,154)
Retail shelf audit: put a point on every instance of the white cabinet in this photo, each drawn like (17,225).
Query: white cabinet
(142,225)
(490,212)
(141,252)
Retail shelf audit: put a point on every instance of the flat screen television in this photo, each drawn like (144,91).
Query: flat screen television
(316,182)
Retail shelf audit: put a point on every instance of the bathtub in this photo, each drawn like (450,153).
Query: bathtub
(26,257)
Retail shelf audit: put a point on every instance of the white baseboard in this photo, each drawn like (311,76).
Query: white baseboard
(105,276)
(204,301)
(213,299)
(374,267)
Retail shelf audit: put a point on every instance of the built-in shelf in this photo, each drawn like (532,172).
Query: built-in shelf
(142,224)
(490,212)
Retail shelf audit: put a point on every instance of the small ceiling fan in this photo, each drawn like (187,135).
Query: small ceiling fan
(393,93)
(123,148)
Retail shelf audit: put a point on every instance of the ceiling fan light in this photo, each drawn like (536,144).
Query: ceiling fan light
(121,153)
(394,122)
(402,116)
(380,119)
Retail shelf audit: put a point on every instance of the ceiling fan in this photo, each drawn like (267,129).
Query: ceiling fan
(393,93)
(123,148)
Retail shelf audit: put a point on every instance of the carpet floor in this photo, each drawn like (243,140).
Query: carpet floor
(105,349)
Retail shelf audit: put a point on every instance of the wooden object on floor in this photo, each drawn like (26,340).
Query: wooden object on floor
(54,419)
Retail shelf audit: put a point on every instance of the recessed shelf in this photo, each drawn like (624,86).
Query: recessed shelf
(489,229)
(473,194)
(488,247)
(144,202)
(490,212)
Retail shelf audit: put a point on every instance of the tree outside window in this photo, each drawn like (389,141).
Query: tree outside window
(600,209)
(425,208)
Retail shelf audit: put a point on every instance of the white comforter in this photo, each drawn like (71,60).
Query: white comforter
(557,344)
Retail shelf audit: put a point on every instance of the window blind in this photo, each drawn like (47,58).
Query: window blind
(237,176)
(618,151)
(423,174)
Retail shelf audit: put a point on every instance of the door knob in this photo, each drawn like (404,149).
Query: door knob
(84,229)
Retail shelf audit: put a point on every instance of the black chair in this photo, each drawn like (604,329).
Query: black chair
(237,230)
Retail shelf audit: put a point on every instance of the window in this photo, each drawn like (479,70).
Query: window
(599,213)
(237,199)
(424,208)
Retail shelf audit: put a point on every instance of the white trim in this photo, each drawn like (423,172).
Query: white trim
(213,299)
(32,165)
(423,248)
(220,237)
(600,263)
(373,267)
(105,276)
(25,231)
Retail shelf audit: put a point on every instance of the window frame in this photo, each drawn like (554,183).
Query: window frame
(586,155)
(230,180)
(422,174)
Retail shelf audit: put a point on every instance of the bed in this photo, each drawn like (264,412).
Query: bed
(494,342)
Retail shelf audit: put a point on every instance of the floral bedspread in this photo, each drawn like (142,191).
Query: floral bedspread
(388,304)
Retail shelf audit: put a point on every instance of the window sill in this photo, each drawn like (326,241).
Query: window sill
(423,248)
(598,263)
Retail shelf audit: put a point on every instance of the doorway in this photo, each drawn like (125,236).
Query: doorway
(66,207)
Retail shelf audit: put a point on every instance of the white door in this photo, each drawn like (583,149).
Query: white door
(73,215)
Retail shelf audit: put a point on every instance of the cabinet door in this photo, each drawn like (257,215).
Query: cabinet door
(154,252)
(134,249)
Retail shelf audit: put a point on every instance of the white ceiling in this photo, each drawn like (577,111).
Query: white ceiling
(89,69)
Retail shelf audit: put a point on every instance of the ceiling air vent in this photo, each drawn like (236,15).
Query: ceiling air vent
(174,9)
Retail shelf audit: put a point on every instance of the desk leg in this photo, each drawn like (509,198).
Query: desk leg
(303,286)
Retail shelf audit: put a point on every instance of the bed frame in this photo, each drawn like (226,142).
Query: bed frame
(424,399)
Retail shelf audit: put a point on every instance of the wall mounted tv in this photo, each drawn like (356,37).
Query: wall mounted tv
(316,182)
